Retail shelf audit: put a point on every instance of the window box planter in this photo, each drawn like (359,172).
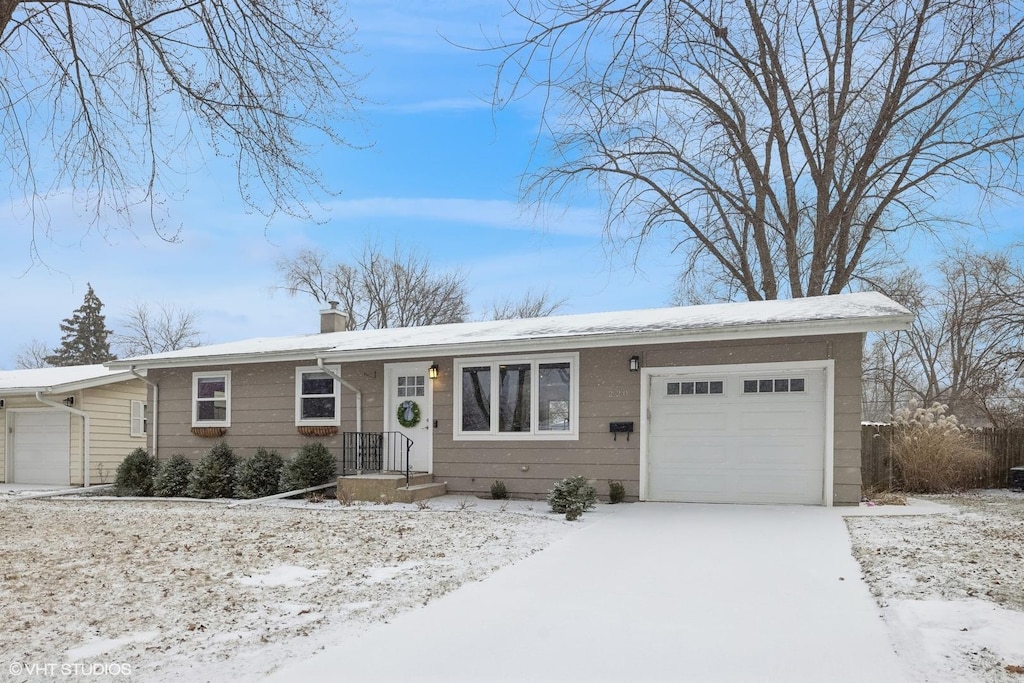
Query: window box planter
(317,430)
(209,432)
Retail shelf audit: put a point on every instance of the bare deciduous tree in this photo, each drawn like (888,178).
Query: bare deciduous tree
(115,103)
(32,355)
(167,328)
(378,290)
(965,344)
(784,143)
(530,305)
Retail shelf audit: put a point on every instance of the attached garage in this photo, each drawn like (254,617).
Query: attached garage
(756,433)
(40,447)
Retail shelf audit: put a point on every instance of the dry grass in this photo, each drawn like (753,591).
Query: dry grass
(934,460)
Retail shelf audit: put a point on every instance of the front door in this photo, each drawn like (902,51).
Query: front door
(408,409)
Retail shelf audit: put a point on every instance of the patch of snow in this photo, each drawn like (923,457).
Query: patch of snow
(282,575)
(43,379)
(101,646)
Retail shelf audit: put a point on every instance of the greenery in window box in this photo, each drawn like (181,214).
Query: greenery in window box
(572,497)
(260,475)
(214,474)
(172,478)
(313,466)
(135,474)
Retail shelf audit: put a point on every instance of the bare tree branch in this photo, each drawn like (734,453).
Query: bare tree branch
(379,290)
(784,144)
(530,305)
(116,103)
(147,331)
(32,355)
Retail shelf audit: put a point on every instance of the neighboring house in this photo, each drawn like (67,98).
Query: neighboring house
(754,402)
(69,426)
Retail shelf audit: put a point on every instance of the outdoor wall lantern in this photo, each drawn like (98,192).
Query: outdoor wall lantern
(69,401)
(634,364)
(433,371)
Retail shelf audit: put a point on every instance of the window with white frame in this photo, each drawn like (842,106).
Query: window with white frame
(211,399)
(517,398)
(317,396)
(138,419)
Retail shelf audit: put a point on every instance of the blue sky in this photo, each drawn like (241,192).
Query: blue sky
(442,176)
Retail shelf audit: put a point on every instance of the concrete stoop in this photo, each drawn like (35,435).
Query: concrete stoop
(389,487)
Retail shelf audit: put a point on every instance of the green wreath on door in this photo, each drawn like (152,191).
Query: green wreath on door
(408,414)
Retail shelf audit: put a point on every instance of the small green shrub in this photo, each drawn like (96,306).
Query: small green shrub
(260,475)
(499,491)
(214,474)
(572,497)
(616,492)
(172,478)
(134,475)
(313,466)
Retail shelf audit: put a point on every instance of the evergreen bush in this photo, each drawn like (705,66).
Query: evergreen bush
(313,466)
(499,491)
(135,474)
(260,475)
(572,497)
(616,492)
(214,474)
(172,478)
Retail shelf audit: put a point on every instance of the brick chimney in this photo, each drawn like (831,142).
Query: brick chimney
(333,320)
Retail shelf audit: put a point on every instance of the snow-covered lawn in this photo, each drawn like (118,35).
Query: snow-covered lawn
(199,591)
(951,586)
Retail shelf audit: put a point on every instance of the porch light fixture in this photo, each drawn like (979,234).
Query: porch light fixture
(69,401)
(433,371)
(634,363)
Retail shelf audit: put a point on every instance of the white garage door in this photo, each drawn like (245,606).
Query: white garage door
(741,436)
(41,447)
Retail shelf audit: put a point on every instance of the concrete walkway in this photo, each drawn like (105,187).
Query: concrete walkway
(649,592)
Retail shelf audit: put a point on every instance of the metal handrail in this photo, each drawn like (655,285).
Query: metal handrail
(376,452)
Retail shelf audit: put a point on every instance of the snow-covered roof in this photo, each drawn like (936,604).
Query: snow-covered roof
(59,380)
(860,312)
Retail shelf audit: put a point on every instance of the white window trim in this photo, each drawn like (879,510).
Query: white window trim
(572,434)
(334,421)
(138,419)
(226,422)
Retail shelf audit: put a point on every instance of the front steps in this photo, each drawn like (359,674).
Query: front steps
(389,488)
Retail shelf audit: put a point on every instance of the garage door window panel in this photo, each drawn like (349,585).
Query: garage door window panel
(695,388)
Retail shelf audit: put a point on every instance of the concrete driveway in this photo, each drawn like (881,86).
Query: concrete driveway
(648,592)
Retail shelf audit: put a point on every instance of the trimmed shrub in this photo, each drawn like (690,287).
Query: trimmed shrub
(214,474)
(172,478)
(135,474)
(260,475)
(616,492)
(499,491)
(313,466)
(932,453)
(572,497)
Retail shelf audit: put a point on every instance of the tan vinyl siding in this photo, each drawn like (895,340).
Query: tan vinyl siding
(109,409)
(263,414)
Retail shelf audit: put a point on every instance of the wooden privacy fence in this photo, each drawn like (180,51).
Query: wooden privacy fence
(1006,445)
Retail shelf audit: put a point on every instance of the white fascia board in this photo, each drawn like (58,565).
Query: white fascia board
(69,387)
(764,330)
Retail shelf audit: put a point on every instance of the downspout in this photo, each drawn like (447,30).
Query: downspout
(156,407)
(359,395)
(85,431)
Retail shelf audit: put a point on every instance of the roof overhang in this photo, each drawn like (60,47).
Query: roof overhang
(69,387)
(762,330)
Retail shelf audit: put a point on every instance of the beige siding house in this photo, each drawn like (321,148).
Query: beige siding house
(69,426)
(744,403)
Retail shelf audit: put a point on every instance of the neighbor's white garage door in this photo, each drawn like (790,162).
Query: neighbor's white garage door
(41,447)
(742,436)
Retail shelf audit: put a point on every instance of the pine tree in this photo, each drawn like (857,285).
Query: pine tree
(83,335)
